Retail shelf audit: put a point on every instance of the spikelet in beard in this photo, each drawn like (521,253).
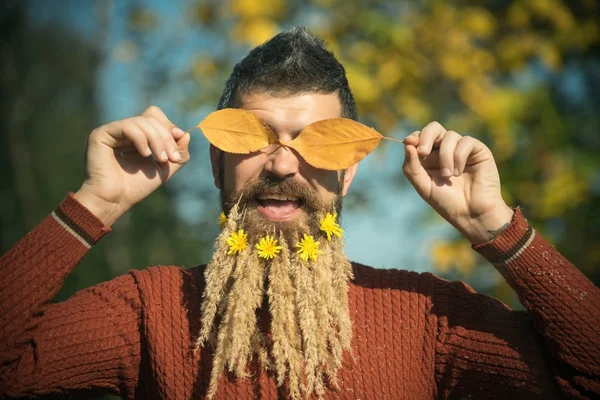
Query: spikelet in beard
(216,275)
(287,348)
(341,275)
(245,299)
(224,332)
(309,327)
(329,343)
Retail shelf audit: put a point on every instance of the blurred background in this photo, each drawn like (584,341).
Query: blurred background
(523,76)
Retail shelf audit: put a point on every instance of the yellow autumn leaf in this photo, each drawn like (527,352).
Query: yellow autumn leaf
(236,131)
(335,143)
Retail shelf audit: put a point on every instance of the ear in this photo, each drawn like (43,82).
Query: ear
(349,174)
(215,162)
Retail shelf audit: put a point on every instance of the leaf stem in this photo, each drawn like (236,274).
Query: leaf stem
(392,139)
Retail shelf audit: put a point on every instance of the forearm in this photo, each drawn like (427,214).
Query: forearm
(34,269)
(88,343)
(560,299)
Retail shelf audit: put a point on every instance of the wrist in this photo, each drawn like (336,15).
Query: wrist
(106,211)
(488,226)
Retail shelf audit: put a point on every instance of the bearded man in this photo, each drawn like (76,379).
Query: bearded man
(279,312)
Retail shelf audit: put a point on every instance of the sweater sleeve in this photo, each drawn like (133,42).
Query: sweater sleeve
(87,344)
(486,350)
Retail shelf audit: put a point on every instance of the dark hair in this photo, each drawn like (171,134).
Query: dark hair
(294,61)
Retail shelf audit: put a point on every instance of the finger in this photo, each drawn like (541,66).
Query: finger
(464,149)
(169,143)
(447,149)
(170,168)
(177,133)
(183,145)
(156,112)
(415,172)
(136,135)
(412,139)
(155,139)
(432,134)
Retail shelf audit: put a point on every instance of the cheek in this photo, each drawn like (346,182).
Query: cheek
(241,169)
(325,182)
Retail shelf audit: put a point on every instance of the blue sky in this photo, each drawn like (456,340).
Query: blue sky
(389,232)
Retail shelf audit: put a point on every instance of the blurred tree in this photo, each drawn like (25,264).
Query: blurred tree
(48,106)
(520,75)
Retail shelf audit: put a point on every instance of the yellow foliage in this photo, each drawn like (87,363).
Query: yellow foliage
(414,109)
(142,19)
(363,86)
(203,67)
(255,31)
(363,52)
(250,9)
(503,136)
(205,13)
(454,65)
(550,55)
(518,16)
(478,22)
(563,190)
(453,255)
(514,50)
(390,73)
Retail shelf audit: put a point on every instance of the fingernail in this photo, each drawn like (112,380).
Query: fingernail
(147,151)
(176,156)
(446,172)
(177,130)
(456,172)
(163,156)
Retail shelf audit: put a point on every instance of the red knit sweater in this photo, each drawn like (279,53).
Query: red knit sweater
(416,336)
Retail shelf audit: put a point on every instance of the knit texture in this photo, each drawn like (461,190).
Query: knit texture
(416,336)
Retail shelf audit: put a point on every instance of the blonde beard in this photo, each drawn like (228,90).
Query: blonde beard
(308,305)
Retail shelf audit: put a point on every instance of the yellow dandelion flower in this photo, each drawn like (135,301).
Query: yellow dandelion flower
(222,220)
(330,226)
(267,248)
(237,241)
(308,248)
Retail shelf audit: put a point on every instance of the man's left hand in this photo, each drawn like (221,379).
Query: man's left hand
(458,177)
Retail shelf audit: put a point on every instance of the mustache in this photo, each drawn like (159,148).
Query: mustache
(308,197)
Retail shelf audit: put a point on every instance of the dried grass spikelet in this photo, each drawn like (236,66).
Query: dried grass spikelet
(309,326)
(340,336)
(224,334)
(325,311)
(246,297)
(216,275)
(287,347)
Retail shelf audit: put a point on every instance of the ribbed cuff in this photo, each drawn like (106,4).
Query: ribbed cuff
(79,221)
(510,243)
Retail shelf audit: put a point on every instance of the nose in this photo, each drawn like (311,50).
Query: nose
(283,163)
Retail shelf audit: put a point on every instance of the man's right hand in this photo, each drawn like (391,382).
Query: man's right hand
(119,168)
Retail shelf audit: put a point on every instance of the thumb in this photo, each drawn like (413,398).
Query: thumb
(415,172)
(183,145)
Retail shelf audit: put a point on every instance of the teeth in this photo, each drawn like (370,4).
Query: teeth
(272,196)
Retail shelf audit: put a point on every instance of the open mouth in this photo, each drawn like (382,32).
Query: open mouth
(278,207)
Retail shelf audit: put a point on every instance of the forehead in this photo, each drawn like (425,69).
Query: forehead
(292,113)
